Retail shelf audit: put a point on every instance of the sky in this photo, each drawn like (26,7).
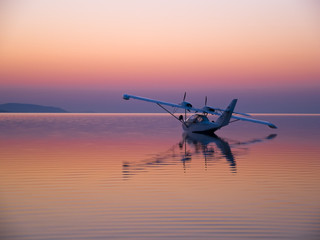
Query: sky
(83,55)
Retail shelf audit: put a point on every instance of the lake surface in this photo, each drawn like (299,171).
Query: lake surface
(137,176)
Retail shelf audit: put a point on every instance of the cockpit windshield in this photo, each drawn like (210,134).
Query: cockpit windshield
(197,119)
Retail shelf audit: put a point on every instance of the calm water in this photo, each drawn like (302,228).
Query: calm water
(108,176)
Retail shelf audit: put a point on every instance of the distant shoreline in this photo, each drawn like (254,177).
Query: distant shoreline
(29,108)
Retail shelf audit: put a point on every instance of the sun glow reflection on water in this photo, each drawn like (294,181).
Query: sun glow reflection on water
(127,176)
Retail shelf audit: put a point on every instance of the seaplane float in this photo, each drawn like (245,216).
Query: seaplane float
(199,122)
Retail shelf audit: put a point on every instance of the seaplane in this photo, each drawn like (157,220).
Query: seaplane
(199,121)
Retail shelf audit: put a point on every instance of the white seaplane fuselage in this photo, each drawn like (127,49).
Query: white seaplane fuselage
(199,123)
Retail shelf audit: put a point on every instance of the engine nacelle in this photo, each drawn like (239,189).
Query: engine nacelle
(208,109)
(186,104)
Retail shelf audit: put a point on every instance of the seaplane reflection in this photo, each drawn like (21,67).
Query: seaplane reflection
(209,147)
(203,144)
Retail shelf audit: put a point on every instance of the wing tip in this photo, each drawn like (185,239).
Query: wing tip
(272,126)
(126,97)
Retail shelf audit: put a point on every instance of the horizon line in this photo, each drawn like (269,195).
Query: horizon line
(137,113)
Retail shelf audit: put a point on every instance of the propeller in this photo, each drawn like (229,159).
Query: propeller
(184,103)
(207,109)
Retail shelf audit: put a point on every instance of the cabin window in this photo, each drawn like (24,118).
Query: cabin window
(199,119)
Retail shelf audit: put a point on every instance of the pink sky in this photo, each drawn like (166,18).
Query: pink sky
(140,46)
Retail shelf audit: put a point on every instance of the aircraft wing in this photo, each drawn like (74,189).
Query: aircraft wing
(271,125)
(190,108)
(127,97)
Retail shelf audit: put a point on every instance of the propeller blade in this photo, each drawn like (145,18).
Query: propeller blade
(184,97)
(205,101)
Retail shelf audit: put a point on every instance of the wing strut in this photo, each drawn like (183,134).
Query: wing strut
(171,113)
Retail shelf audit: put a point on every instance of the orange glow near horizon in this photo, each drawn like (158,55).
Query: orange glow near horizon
(54,44)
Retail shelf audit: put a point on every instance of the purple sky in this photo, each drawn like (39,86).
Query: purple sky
(254,100)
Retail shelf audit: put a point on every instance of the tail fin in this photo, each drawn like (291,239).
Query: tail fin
(224,119)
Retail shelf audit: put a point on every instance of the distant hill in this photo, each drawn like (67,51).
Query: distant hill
(29,108)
